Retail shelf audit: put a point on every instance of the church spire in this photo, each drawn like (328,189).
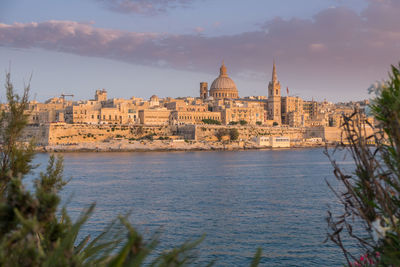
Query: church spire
(274,75)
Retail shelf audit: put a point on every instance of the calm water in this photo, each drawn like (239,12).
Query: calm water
(276,200)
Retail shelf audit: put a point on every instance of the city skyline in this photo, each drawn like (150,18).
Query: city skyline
(328,49)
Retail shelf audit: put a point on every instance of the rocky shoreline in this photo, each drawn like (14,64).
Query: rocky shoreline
(162,146)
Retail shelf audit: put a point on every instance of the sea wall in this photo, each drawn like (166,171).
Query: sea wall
(90,133)
(70,134)
(331,134)
(248,133)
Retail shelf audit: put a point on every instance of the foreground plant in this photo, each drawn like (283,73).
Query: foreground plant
(34,231)
(371,194)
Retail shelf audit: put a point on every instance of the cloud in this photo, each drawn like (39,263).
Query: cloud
(148,7)
(199,29)
(336,40)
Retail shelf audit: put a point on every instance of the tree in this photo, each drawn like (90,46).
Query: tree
(233,134)
(34,231)
(371,195)
(221,133)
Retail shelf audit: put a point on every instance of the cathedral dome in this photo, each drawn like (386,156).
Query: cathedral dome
(223,86)
(154,98)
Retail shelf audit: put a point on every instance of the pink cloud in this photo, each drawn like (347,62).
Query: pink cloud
(334,40)
(151,7)
(199,29)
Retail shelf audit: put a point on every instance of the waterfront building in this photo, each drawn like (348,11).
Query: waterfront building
(51,111)
(273,141)
(279,141)
(157,116)
(193,117)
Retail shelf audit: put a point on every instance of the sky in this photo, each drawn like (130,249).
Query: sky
(323,49)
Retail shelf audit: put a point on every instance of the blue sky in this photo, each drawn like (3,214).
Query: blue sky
(324,49)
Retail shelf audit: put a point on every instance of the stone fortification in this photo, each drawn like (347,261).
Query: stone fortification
(62,134)
(67,134)
(248,133)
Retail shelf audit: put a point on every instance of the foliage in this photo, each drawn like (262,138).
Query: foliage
(233,123)
(221,133)
(233,134)
(258,122)
(371,194)
(35,231)
(243,122)
(211,121)
(275,123)
(149,137)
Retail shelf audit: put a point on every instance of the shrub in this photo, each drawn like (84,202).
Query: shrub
(243,122)
(258,122)
(211,121)
(221,133)
(233,134)
(31,232)
(275,123)
(371,194)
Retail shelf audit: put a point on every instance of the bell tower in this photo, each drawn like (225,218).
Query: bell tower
(274,97)
(203,90)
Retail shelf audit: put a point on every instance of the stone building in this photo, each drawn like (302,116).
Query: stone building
(193,117)
(158,116)
(51,111)
(101,95)
(223,86)
(292,111)
(274,98)
(310,109)
(252,115)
